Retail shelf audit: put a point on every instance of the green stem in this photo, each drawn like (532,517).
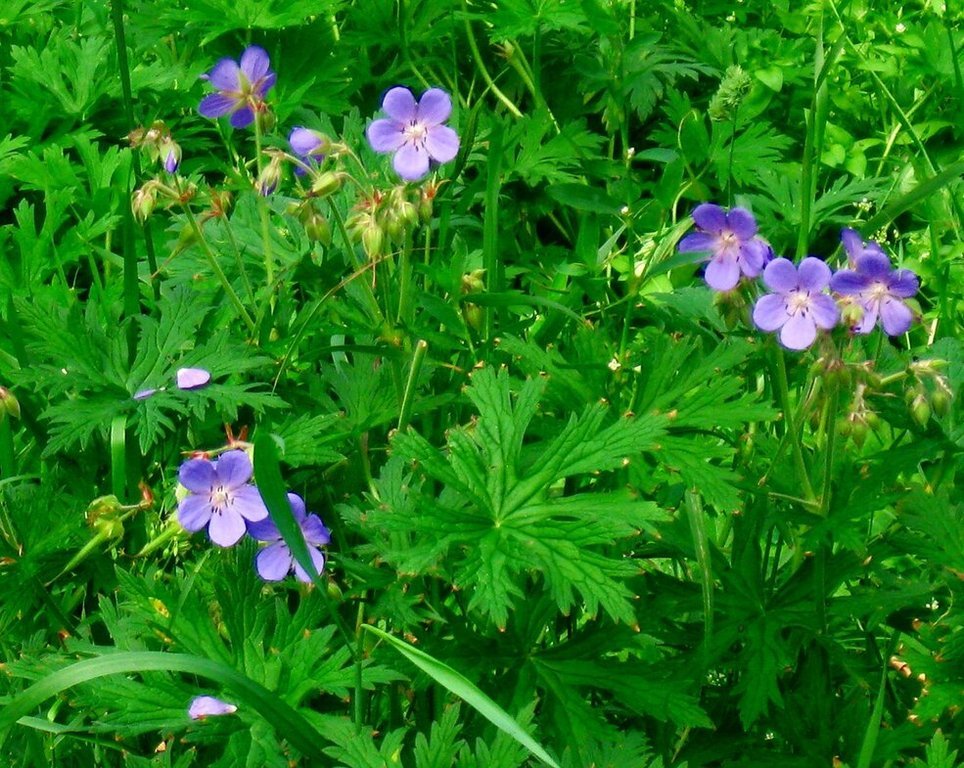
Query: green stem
(477,56)
(359,655)
(264,214)
(783,395)
(403,317)
(216,268)
(406,411)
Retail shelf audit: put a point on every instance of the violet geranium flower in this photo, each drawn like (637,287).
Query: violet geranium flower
(310,146)
(221,497)
(208,706)
(414,131)
(241,87)
(878,289)
(797,306)
(275,561)
(732,242)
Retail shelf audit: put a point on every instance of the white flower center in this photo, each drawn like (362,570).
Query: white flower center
(878,290)
(416,132)
(220,498)
(798,301)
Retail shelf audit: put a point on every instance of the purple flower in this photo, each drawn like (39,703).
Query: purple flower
(877,288)
(275,561)
(732,243)
(221,497)
(857,248)
(310,146)
(414,131)
(241,87)
(797,306)
(208,706)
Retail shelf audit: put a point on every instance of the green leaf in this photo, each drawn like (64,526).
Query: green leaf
(288,723)
(466,690)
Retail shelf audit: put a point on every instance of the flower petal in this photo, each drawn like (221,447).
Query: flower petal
(217,105)
(192,378)
(255,63)
(247,502)
(198,475)
(385,135)
(741,223)
(770,312)
(194,513)
(780,276)
(753,256)
(304,141)
(434,107)
(226,528)
(273,562)
(143,394)
(903,283)
(895,316)
(265,84)
(798,332)
(411,163)
(722,273)
(848,282)
(710,218)
(315,531)
(297,507)
(869,320)
(234,469)
(442,143)
(852,243)
(243,117)
(263,530)
(208,706)
(697,241)
(399,104)
(224,75)
(317,559)
(826,313)
(875,266)
(813,274)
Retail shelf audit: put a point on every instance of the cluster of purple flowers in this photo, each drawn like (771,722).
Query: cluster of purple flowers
(414,131)
(871,291)
(223,499)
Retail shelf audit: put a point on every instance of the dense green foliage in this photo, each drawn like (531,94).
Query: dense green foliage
(588,513)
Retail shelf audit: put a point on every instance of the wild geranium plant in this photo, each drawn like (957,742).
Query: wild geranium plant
(500,388)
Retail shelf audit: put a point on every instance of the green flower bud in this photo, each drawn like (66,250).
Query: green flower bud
(372,241)
(144,201)
(317,228)
(920,410)
(8,404)
(324,184)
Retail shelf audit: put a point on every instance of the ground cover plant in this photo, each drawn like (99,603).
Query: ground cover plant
(429,384)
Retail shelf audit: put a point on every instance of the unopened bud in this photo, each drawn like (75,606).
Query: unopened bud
(270,176)
(920,410)
(474,281)
(372,241)
(9,405)
(144,201)
(941,401)
(317,228)
(473,315)
(323,184)
(171,153)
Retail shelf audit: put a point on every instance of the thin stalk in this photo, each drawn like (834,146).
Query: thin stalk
(783,395)
(264,214)
(413,372)
(216,268)
(405,283)
(477,56)
(359,698)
